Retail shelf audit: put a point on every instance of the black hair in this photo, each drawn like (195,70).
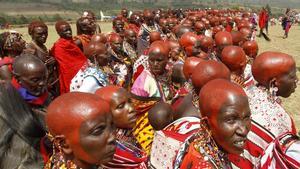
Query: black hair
(19,120)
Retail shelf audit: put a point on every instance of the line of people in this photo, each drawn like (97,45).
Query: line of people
(165,89)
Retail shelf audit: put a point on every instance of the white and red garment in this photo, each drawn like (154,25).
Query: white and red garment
(282,153)
(167,142)
(269,120)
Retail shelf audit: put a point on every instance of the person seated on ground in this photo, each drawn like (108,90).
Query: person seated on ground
(38,31)
(275,74)
(86,28)
(217,137)
(160,115)
(151,86)
(11,45)
(67,54)
(94,73)
(128,153)
(130,44)
(81,130)
(21,132)
(235,59)
(120,62)
(30,80)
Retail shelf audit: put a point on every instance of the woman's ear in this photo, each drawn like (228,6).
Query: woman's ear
(63,144)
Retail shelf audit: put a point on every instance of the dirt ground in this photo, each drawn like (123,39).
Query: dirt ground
(291,46)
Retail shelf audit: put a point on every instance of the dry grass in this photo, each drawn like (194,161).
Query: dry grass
(290,46)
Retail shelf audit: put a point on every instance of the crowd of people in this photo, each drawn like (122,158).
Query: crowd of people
(182,89)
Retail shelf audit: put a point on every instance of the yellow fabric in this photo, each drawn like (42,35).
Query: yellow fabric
(144,133)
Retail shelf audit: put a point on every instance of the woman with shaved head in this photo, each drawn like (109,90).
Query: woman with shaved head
(128,153)
(151,85)
(275,74)
(94,73)
(81,131)
(224,126)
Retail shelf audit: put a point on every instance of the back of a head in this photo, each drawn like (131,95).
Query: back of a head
(189,65)
(234,58)
(269,65)
(154,36)
(223,38)
(106,93)
(208,70)
(182,30)
(188,39)
(98,38)
(160,115)
(215,94)
(94,48)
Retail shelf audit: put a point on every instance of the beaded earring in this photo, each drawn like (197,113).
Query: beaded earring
(57,160)
(273,89)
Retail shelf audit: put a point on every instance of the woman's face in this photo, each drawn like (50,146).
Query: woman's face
(34,79)
(119,26)
(157,63)
(96,139)
(124,115)
(88,26)
(231,125)
(287,83)
(65,31)
(40,35)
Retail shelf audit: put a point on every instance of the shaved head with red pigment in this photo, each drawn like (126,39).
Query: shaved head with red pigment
(190,43)
(234,58)
(208,70)
(250,48)
(269,65)
(207,44)
(154,36)
(219,101)
(71,118)
(98,38)
(223,38)
(158,57)
(189,65)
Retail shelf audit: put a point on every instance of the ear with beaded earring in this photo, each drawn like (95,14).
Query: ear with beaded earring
(273,88)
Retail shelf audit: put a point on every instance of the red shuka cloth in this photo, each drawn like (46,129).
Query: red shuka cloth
(262,19)
(70,59)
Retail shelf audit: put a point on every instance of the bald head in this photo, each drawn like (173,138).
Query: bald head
(269,65)
(160,115)
(216,93)
(94,49)
(66,113)
(234,58)
(189,65)
(154,36)
(98,38)
(26,63)
(208,70)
